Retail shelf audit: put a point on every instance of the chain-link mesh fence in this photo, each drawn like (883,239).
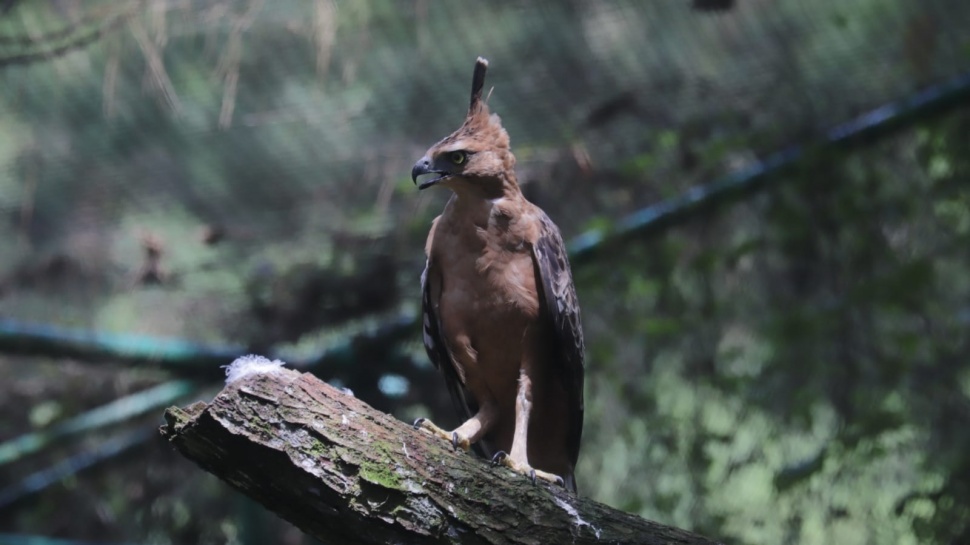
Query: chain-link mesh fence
(183,181)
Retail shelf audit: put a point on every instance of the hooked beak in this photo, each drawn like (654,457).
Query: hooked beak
(423,166)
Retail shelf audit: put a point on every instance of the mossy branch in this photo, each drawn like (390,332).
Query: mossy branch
(346,473)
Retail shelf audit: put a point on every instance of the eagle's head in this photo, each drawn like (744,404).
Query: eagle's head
(475,158)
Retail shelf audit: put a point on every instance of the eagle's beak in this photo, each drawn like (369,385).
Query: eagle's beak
(423,166)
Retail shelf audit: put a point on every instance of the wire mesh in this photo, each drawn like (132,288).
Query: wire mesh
(234,174)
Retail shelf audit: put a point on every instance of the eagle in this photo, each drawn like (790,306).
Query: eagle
(500,313)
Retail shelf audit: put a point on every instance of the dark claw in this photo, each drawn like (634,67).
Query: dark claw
(418,422)
(454,440)
(499,456)
(532,475)
(560,481)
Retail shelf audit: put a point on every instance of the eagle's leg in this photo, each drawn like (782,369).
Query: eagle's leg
(465,435)
(518,459)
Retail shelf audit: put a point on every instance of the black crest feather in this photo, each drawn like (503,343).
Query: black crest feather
(478,82)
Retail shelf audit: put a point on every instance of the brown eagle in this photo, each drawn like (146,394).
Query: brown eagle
(501,319)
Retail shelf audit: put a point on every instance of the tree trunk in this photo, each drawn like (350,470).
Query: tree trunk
(346,473)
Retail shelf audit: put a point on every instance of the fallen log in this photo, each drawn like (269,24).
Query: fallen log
(345,473)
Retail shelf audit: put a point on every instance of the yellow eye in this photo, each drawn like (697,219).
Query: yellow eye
(457,157)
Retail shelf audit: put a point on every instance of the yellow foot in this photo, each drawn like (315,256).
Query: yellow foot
(457,441)
(525,469)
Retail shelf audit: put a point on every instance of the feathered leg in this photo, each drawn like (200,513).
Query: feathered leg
(518,460)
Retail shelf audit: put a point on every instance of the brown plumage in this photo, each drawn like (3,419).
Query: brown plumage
(501,319)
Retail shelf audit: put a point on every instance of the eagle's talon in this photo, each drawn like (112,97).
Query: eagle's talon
(526,470)
(428,426)
(459,442)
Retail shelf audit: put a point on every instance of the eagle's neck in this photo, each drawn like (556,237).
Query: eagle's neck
(503,186)
(474,203)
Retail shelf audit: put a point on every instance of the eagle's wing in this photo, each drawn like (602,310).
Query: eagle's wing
(440,356)
(558,301)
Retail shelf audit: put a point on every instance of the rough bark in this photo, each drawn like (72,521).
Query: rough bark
(346,473)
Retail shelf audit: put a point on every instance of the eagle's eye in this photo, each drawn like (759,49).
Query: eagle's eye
(458,157)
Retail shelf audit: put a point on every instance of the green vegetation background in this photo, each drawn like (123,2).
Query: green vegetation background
(791,368)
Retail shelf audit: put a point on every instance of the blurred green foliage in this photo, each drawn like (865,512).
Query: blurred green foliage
(808,368)
(792,368)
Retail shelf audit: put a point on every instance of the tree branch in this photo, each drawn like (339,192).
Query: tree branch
(346,473)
